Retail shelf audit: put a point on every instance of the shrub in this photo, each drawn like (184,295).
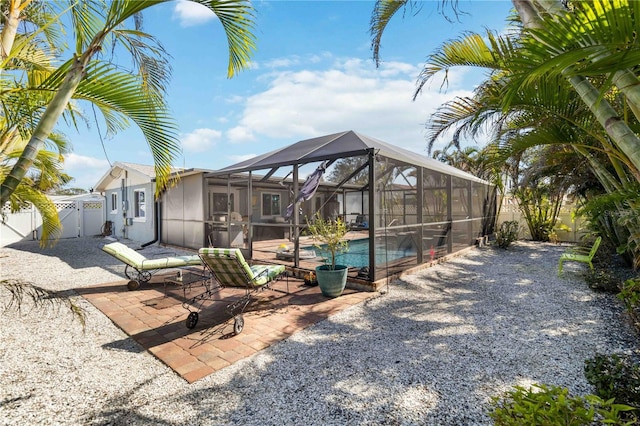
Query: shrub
(552,405)
(605,280)
(630,294)
(507,233)
(614,377)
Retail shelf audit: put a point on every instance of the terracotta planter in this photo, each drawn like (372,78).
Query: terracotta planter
(332,282)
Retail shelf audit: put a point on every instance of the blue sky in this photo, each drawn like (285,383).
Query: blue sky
(312,75)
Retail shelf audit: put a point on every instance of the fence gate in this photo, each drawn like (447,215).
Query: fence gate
(69,215)
(79,218)
(92,218)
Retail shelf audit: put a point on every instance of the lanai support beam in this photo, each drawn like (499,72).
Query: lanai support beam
(419,213)
(296,219)
(372,216)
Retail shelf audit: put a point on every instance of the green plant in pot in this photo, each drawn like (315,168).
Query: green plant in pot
(328,236)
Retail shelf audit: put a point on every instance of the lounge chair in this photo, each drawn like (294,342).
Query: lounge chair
(229,269)
(580,254)
(360,222)
(139,269)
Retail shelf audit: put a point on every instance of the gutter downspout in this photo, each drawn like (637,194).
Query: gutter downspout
(156,229)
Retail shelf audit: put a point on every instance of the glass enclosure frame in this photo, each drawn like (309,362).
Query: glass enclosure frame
(412,214)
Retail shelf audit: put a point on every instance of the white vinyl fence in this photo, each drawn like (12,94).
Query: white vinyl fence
(79,218)
(510,211)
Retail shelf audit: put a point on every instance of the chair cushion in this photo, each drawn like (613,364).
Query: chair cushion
(231,269)
(172,262)
(141,263)
(265,273)
(125,254)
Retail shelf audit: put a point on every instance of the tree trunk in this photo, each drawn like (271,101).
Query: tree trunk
(629,85)
(46,125)
(8,35)
(619,132)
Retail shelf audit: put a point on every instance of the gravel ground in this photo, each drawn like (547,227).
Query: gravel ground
(433,350)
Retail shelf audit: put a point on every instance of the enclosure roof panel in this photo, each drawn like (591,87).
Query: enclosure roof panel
(339,145)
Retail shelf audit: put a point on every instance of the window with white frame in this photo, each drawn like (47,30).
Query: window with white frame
(140,207)
(114,202)
(271,204)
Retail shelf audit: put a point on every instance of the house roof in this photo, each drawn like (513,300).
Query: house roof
(339,145)
(142,170)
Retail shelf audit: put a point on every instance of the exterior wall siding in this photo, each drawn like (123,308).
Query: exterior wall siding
(125,224)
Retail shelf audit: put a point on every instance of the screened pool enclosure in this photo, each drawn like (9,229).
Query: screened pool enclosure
(402,209)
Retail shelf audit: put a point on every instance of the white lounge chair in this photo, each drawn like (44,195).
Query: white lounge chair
(139,269)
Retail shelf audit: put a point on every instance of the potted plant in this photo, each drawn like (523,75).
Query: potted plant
(328,236)
(310,279)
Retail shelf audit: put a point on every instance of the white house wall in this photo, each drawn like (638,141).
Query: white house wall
(122,214)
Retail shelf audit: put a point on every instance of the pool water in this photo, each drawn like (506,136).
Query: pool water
(357,255)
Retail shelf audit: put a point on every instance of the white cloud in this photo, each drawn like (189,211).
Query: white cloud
(86,171)
(200,140)
(283,62)
(296,60)
(234,99)
(240,134)
(191,14)
(352,95)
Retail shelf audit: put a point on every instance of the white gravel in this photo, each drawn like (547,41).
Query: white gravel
(432,351)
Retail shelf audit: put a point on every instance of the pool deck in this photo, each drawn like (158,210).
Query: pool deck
(265,252)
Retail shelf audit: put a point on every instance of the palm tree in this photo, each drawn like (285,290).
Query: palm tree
(119,94)
(546,114)
(45,175)
(602,44)
(29,54)
(33,104)
(597,46)
(580,47)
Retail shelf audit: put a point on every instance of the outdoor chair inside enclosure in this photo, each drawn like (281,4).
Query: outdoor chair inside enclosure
(229,269)
(360,222)
(580,254)
(139,269)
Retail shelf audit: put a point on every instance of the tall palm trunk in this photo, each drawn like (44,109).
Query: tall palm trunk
(236,18)
(10,28)
(625,80)
(48,120)
(617,129)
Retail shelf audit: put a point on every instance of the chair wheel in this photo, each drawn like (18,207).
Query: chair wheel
(192,319)
(238,324)
(133,285)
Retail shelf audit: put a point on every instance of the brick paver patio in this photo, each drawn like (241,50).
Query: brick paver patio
(157,320)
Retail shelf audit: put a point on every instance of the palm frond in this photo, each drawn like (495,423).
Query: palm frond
(120,96)
(23,293)
(382,13)
(51,225)
(237,18)
(44,15)
(87,20)
(596,38)
(471,50)
(150,60)
(32,55)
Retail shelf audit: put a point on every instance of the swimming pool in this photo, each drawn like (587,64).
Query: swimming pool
(358,254)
